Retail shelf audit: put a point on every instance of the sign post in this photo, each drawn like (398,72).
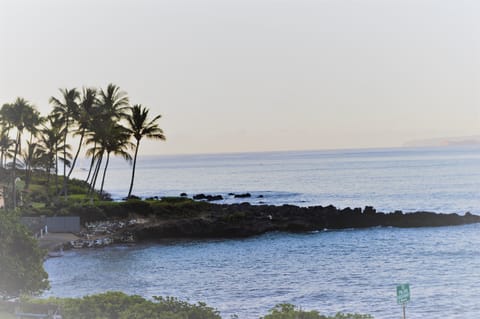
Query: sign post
(403,296)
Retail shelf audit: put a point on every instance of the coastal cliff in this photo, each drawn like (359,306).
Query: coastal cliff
(244,220)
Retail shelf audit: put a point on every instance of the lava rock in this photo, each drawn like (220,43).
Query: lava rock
(245,195)
(209,198)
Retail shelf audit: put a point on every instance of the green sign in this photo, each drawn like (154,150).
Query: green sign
(403,293)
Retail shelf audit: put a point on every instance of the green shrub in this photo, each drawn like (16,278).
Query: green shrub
(88,213)
(289,311)
(21,261)
(175,200)
(136,206)
(171,209)
(112,209)
(117,305)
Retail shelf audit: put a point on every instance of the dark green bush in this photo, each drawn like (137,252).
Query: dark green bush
(88,213)
(135,206)
(289,311)
(175,200)
(113,209)
(117,305)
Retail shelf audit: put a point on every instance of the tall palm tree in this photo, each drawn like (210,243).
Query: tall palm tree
(18,115)
(112,106)
(66,108)
(6,142)
(29,161)
(33,126)
(139,126)
(115,140)
(96,154)
(83,118)
(50,143)
(94,126)
(113,102)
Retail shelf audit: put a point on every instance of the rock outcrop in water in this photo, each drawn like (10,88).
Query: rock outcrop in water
(243,220)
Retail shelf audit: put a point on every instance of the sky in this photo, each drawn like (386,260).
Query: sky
(257,75)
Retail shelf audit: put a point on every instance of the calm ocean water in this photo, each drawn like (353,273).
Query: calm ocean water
(435,179)
(348,270)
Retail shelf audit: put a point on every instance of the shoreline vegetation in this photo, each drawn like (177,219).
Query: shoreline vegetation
(117,305)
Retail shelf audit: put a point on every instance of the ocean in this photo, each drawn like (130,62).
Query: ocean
(432,179)
(345,270)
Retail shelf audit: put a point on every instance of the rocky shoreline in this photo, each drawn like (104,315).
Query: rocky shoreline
(202,220)
(244,220)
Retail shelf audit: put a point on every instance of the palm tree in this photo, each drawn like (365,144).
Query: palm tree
(49,144)
(30,161)
(17,115)
(65,108)
(32,125)
(113,102)
(112,105)
(114,138)
(83,118)
(5,145)
(97,155)
(95,124)
(139,126)
(117,143)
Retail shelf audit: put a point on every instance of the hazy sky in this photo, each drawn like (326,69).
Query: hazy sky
(258,75)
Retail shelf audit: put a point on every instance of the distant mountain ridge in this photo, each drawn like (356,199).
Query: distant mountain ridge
(445,141)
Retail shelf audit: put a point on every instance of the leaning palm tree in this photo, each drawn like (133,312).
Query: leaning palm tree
(116,142)
(112,105)
(83,118)
(139,126)
(65,109)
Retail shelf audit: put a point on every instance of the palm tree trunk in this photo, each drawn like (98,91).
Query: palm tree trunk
(104,173)
(56,169)
(78,152)
(92,162)
(49,168)
(28,165)
(133,169)
(14,171)
(95,173)
(91,189)
(27,178)
(65,191)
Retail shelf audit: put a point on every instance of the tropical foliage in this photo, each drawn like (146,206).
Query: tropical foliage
(117,305)
(289,311)
(21,261)
(104,123)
